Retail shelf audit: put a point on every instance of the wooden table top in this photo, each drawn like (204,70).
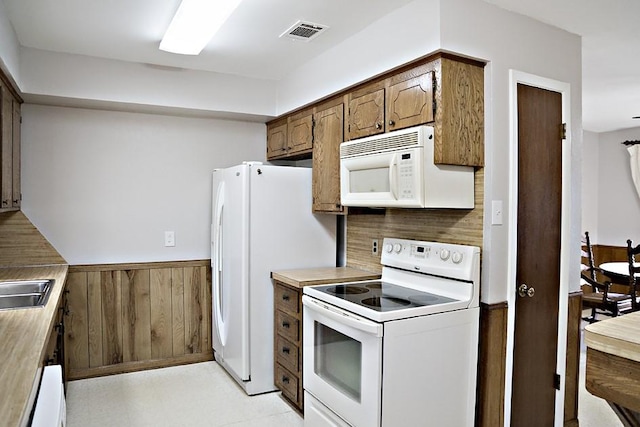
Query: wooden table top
(619,268)
(320,276)
(24,335)
(619,336)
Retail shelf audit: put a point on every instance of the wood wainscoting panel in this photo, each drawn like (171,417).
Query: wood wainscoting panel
(94,313)
(573,360)
(128,317)
(491,365)
(136,315)
(111,290)
(161,328)
(460,226)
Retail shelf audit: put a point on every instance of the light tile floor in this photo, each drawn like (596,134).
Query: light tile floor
(203,394)
(200,394)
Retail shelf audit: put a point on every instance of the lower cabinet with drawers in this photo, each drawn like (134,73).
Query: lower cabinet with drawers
(288,322)
(288,342)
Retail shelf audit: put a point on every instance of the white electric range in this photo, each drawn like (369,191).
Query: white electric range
(401,350)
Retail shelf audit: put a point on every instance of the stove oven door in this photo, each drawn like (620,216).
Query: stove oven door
(342,365)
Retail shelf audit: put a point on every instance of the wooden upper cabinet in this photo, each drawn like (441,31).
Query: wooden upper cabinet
(10,150)
(277,139)
(459,121)
(444,90)
(290,137)
(410,99)
(329,134)
(366,111)
(16,198)
(300,129)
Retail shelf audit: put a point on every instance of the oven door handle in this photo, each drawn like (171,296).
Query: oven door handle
(344,317)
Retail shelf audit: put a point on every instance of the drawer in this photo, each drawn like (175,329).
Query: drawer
(287,299)
(287,382)
(287,326)
(287,353)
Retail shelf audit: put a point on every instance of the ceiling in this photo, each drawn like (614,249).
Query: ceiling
(248,44)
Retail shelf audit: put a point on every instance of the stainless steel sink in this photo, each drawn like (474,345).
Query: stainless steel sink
(25,293)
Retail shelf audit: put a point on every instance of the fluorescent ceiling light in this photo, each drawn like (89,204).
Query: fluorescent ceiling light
(195,23)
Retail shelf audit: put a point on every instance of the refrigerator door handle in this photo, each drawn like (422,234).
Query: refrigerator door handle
(217,239)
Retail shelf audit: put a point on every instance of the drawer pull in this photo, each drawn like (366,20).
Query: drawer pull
(285,297)
(286,350)
(285,380)
(286,325)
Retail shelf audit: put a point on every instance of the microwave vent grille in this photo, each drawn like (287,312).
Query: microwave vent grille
(380,143)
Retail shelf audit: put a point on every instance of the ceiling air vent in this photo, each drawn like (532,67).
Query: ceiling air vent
(304,31)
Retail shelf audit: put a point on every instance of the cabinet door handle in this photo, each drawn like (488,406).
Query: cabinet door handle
(285,325)
(391,123)
(378,126)
(285,297)
(286,350)
(285,380)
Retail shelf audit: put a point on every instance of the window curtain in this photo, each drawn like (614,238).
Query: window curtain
(634,152)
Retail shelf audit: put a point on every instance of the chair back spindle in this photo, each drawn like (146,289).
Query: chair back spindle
(633,269)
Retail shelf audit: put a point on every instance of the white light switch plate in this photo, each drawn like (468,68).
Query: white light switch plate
(496,212)
(169,238)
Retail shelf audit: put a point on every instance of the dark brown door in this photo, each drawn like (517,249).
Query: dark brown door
(538,256)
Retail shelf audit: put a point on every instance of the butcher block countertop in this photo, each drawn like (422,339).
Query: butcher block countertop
(25,254)
(319,276)
(613,365)
(24,335)
(619,336)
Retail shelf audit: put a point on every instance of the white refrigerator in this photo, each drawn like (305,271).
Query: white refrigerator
(261,222)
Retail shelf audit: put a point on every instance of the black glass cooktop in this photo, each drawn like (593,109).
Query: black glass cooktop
(382,296)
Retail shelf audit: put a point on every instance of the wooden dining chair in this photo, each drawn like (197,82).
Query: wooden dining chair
(633,269)
(598,297)
(587,262)
(602,301)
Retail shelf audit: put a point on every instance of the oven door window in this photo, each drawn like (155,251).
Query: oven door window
(338,360)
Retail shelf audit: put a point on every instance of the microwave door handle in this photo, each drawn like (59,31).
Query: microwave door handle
(392,176)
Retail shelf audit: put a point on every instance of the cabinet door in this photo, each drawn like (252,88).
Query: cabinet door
(410,102)
(6,154)
(300,134)
(15,170)
(366,114)
(277,139)
(329,133)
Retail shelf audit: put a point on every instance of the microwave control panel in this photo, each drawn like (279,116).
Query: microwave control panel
(406,174)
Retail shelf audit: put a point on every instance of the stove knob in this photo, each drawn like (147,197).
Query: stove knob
(397,247)
(456,257)
(444,254)
(388,247)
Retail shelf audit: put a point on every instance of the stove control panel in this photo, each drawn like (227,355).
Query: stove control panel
(442,259)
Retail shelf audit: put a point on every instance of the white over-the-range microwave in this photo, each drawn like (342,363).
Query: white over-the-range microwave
(396,169)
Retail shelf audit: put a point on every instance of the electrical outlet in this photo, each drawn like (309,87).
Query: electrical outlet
(374,246)
(169,238)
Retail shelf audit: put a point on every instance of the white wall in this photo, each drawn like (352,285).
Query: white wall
(617,203)
(85,78)
(104,186)
(399,37)
(590,184)
(471,27)
(9,47)
(511,41)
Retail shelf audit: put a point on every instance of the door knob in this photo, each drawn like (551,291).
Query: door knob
(526,291)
